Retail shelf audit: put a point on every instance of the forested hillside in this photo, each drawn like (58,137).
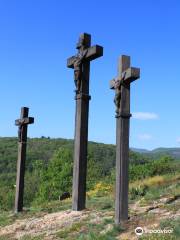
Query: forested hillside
(49,168)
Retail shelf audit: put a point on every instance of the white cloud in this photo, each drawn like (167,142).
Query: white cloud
(144,136)
(178,140)
(145,116)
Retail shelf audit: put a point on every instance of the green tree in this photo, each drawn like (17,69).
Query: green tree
(58,176)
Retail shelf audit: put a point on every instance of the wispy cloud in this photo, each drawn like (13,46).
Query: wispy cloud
(144,136)
(178,140)
(145,116)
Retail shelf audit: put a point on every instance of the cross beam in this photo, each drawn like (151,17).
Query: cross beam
(121,85)
(93,53)
(81,65)
(22,123)
(127,77)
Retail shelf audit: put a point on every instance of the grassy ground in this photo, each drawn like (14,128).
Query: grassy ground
(154,204)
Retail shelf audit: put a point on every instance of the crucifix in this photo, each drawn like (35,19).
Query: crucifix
(81,65)
(22,124)
(121,85)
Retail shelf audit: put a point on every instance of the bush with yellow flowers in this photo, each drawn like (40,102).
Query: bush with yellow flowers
(100,189)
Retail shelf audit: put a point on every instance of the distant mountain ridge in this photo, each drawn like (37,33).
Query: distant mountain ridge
(174,152)
(140,150)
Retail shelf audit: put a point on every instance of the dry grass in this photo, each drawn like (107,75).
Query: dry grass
(155,181)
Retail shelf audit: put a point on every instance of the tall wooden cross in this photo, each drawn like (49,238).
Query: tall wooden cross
(81,65)
(121,85)
(22,140)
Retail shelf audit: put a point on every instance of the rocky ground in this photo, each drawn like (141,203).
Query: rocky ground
(68,224)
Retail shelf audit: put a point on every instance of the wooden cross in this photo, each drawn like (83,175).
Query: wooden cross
(121,85)
(22,124)
(81,65)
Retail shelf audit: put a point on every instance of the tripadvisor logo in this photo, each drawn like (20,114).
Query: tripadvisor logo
(139,231)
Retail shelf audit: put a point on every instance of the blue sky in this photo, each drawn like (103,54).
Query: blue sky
(38,36)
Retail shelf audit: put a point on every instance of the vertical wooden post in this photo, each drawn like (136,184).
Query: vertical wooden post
(81,139)
(122,148)
(22,132)
(121,84)
(81,65)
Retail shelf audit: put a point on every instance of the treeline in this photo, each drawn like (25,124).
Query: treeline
(49,168)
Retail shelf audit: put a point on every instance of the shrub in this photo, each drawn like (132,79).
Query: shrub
(138,191)
(58,176)
(100,189)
